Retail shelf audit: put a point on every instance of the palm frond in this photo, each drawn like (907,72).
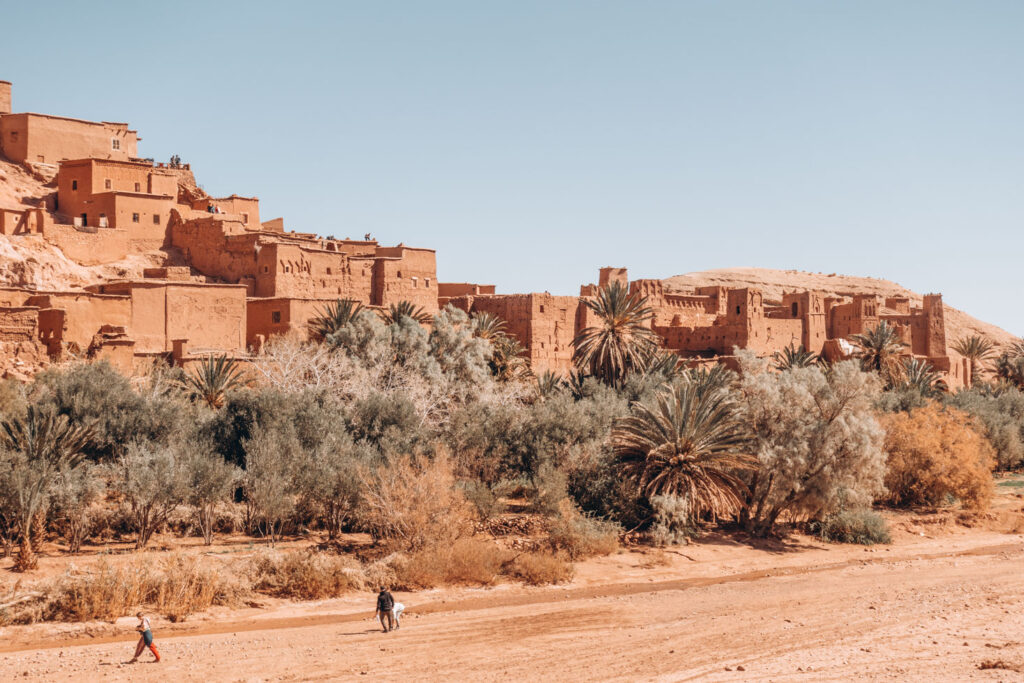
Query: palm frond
(213,379)
(794,357)
(622,342)
(334,316)
(405,309)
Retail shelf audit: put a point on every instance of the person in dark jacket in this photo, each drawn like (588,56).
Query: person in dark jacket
(385,605)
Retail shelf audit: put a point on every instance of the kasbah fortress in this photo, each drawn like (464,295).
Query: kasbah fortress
(217,278)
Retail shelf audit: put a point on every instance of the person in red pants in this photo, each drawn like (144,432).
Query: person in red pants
(146,639)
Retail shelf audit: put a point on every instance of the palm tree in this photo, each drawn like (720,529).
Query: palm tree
(880,351)
(705,380)
(689,445)
(977,350)
(665,363)
(622,342)
(549,384)
(1010,366)
(508,360)
(488,326)
(213,379)
(794,357)
(919,376)
(44,443)
(334,316)
(405,309)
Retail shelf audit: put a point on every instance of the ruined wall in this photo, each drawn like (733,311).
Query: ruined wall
(290,270)
(83,313)
(5,97)
(217,248)
(40,138)
(19,324)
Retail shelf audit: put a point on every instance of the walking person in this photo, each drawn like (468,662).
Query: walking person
(145,639)
(385,609)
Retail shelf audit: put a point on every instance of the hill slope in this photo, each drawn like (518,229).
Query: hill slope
(773,282)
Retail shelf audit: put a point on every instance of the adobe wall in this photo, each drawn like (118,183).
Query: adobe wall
(289,270)
(453,289)
(79,178)
(5,97)
(40,138)
(267,317)
(19,324)
(405,274)
(83,315)
(210,317)
(89,247)
(211,249)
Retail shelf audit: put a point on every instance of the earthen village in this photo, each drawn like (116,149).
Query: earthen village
(232,278)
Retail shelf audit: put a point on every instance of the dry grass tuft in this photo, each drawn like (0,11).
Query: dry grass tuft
(305,575)
(579,536)
(540,569)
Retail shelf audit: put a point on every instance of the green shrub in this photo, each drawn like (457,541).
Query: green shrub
(864,527)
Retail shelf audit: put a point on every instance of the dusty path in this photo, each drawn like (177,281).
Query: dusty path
(922,614)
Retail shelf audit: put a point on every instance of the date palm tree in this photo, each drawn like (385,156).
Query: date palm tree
(508,359)
(213,379)
(334,316)
(487,326)
(549,384)
(978,350)
(622,342)
(919,376)
(42,443)
(880,351)
(690,444)
(405,309)
(1010,365)
(794,357)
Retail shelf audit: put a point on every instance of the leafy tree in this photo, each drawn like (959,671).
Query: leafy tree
(152,478)
(209,480)
(329,481)
(622,342)
(935,454)
(40,446)
(794,357)
(75,491)
(880,350)
(689,445)
(818,445)
(333,317)
(1001,411)
(405,309)
(98,396)
(271,479)
(213,379)
(978,350)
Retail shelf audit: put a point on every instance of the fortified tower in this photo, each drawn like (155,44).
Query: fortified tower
(5,97)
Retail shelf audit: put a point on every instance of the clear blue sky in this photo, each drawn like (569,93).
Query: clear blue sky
(531,142)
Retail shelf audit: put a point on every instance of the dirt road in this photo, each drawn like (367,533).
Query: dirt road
(933,610)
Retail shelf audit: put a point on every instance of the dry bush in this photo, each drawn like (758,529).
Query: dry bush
(179,586)
(466,562)
(936,454)
(580,536)
(413,503)
(540,568)
(305,575)
(864,527)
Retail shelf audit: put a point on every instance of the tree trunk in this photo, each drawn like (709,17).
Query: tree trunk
(26,559)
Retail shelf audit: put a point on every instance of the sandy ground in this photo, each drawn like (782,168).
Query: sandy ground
(937,605)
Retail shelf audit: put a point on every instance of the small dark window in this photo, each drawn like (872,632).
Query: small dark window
(138,187)
(796,309)
(115,143)
(737,310)
(266,269)
(156,219)
(275,317)
(245,218)
(135,218)
(14,136)
(106,184)
(74,184)
(328,271)
(542,308)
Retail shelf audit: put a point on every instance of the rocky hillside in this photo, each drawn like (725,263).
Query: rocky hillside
(774,282)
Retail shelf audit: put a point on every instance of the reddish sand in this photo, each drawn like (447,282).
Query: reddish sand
(939,603)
